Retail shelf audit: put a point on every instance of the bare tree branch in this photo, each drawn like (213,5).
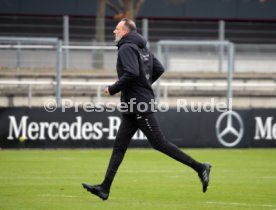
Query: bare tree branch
(112,6)
(137,7)
(127,8)
(122,3)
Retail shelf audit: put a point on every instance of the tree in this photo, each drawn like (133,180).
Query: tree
(126,8)
(100,21)
(100,33)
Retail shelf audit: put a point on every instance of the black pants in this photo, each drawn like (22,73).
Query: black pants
(149,125)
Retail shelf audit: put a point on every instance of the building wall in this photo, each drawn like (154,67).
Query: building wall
(211,9)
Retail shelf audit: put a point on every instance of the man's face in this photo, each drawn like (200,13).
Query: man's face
(119,31)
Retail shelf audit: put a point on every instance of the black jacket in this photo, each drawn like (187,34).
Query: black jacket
(137,69)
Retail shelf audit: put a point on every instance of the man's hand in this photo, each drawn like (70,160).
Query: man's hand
(106,92)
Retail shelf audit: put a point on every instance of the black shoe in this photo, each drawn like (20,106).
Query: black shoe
(96,190)
(204,176)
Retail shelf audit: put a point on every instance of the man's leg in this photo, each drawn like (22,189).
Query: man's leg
(148,123)
(127,129)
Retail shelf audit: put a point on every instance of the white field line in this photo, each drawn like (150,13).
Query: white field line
(41,177)
(152,171)
(269,177)
(240,204)
(58,196)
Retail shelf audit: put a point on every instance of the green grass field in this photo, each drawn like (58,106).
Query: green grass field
(51,179)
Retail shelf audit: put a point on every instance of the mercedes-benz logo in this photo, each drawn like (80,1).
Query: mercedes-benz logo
(229,129)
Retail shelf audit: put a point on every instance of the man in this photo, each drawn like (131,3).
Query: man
(137,69)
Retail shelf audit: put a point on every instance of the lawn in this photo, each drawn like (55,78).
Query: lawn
(147,180)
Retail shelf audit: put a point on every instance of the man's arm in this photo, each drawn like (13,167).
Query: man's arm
(157,70)
(130,64)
